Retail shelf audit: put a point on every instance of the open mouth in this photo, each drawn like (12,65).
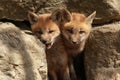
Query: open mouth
(48,45)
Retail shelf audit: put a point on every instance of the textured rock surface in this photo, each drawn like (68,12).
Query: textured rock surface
(106,9)
(21,56)
(17,9)
(102,53)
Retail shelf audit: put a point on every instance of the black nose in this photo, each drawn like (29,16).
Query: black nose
(44,41)
(74,42)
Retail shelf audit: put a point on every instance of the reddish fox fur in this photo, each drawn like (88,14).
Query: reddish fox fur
(75,29)
(47,31)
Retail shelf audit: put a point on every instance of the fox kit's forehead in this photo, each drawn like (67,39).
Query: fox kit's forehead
(44,18)
(44,22)
(77,22)
(77,17)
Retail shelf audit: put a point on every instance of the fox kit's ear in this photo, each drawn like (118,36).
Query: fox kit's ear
(32,17)
(90,18)
(61,15)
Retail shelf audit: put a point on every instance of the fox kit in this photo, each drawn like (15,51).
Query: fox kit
(75,29)
(47,31)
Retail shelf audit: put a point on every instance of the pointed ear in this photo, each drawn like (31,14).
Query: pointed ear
(90,18)
(61,15)
(33,17)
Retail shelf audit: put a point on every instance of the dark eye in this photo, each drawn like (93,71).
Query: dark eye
(81,32)
(51,31)
(39,32)
(70,31)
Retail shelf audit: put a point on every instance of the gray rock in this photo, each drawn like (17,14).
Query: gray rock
(102,53)
(107,10)
(18,9)
(22,56)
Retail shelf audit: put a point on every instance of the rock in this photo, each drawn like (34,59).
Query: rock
(107,10)
(22,56)
(102,53)
(18,9)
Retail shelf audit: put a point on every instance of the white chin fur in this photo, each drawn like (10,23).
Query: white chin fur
(82,39)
